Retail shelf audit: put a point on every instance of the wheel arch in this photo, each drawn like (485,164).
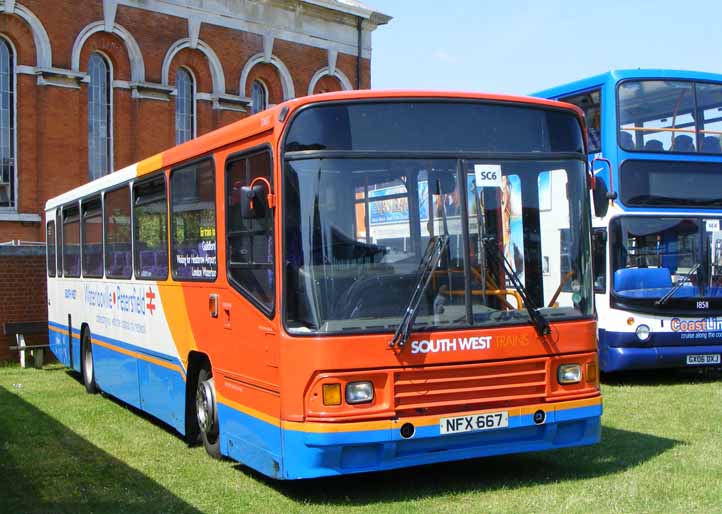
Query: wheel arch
(196,361)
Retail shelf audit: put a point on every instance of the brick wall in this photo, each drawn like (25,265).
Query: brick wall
(23,292)
(52,128)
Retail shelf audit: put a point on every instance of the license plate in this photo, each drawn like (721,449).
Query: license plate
(474,422)
(707,358)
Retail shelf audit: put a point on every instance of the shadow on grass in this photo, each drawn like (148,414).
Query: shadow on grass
(620,450)
(44,467)
(671,376)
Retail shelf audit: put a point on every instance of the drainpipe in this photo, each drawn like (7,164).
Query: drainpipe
(359,29)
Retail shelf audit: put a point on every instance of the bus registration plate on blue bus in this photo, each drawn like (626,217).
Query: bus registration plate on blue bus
(474,422)
(708,358)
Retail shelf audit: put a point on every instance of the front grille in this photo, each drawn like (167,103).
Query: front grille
(442,389)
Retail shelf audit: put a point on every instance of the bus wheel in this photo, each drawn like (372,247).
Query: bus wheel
(88,366)
(207,413)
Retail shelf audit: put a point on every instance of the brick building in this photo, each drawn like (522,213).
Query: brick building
(89,86)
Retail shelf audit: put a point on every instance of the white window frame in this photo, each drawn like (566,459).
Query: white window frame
(13,209)
(265,93)
(111,111)
(194,103)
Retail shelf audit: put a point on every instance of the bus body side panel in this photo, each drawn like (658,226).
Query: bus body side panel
(163,391)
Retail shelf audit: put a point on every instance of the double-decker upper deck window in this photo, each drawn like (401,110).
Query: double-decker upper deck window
(590,102)
(118,261)
(670,116)
(99,117)
(71,241)
(7,125)
(193,229)
(185,106)
(92,238)
(150,221)
(50,247)
(249,247)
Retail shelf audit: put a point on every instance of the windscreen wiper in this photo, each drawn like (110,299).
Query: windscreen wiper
(434,250)
(541,324)
(432,256)
(676,286)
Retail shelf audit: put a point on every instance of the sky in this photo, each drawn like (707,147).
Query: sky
(523,46)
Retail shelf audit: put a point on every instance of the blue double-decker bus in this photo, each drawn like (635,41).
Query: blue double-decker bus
(654,148)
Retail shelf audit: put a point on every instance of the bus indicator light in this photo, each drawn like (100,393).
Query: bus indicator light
(332,394)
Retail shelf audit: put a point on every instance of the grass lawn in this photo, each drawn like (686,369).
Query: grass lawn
(64,451)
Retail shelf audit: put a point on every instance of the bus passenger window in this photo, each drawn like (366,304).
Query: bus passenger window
(250,240)
(71,242)
(50,247)
(150,222)
(117,233)
(92,238)
(193,222)
(591,103)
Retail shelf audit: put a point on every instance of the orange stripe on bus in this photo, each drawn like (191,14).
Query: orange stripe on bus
(150,165)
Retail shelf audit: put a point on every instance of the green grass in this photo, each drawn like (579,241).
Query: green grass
(64,451)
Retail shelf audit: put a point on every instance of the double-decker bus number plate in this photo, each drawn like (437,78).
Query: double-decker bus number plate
(474,422)
(709,358)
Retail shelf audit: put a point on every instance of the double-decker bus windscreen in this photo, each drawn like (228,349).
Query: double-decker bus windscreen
(670,116)
(666,262)
(357,229)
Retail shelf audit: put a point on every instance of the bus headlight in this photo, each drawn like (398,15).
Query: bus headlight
(569,373)
(643,333)
(359,392)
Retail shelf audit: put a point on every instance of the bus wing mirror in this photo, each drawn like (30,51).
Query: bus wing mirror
(256,199)
(603,192)
(599,197)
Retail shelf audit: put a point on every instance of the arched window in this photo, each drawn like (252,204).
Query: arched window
(185,106)
(259,97)
(100,119)
(7,125)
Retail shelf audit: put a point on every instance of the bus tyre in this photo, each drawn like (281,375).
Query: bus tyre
(207,413)
(88,366)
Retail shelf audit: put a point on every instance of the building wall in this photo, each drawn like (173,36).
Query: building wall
(23,293)
(292,46)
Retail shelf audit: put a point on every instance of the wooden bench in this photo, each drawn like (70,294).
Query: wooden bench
(20,330)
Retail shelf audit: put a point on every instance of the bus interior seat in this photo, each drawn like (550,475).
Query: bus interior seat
(683,143)
(711,144)
(626,141)
(654,145)
(627,279)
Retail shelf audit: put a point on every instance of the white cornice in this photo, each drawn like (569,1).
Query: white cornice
(327,24)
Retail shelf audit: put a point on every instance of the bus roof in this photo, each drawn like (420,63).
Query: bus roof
(266,121)
(614,76)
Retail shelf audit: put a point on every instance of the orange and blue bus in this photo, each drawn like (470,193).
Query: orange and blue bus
(654,146)
(343,283)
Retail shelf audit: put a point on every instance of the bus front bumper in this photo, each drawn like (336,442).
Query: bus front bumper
(324,449)
(613,358)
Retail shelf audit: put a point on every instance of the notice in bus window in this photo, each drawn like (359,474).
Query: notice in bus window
(487,175)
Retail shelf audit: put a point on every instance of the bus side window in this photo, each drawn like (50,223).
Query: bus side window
(599,259)
(193,222)
(117,233)
(50,247)
(591,103)
(150,225)
(92,238)
(71,241)
(250,241)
